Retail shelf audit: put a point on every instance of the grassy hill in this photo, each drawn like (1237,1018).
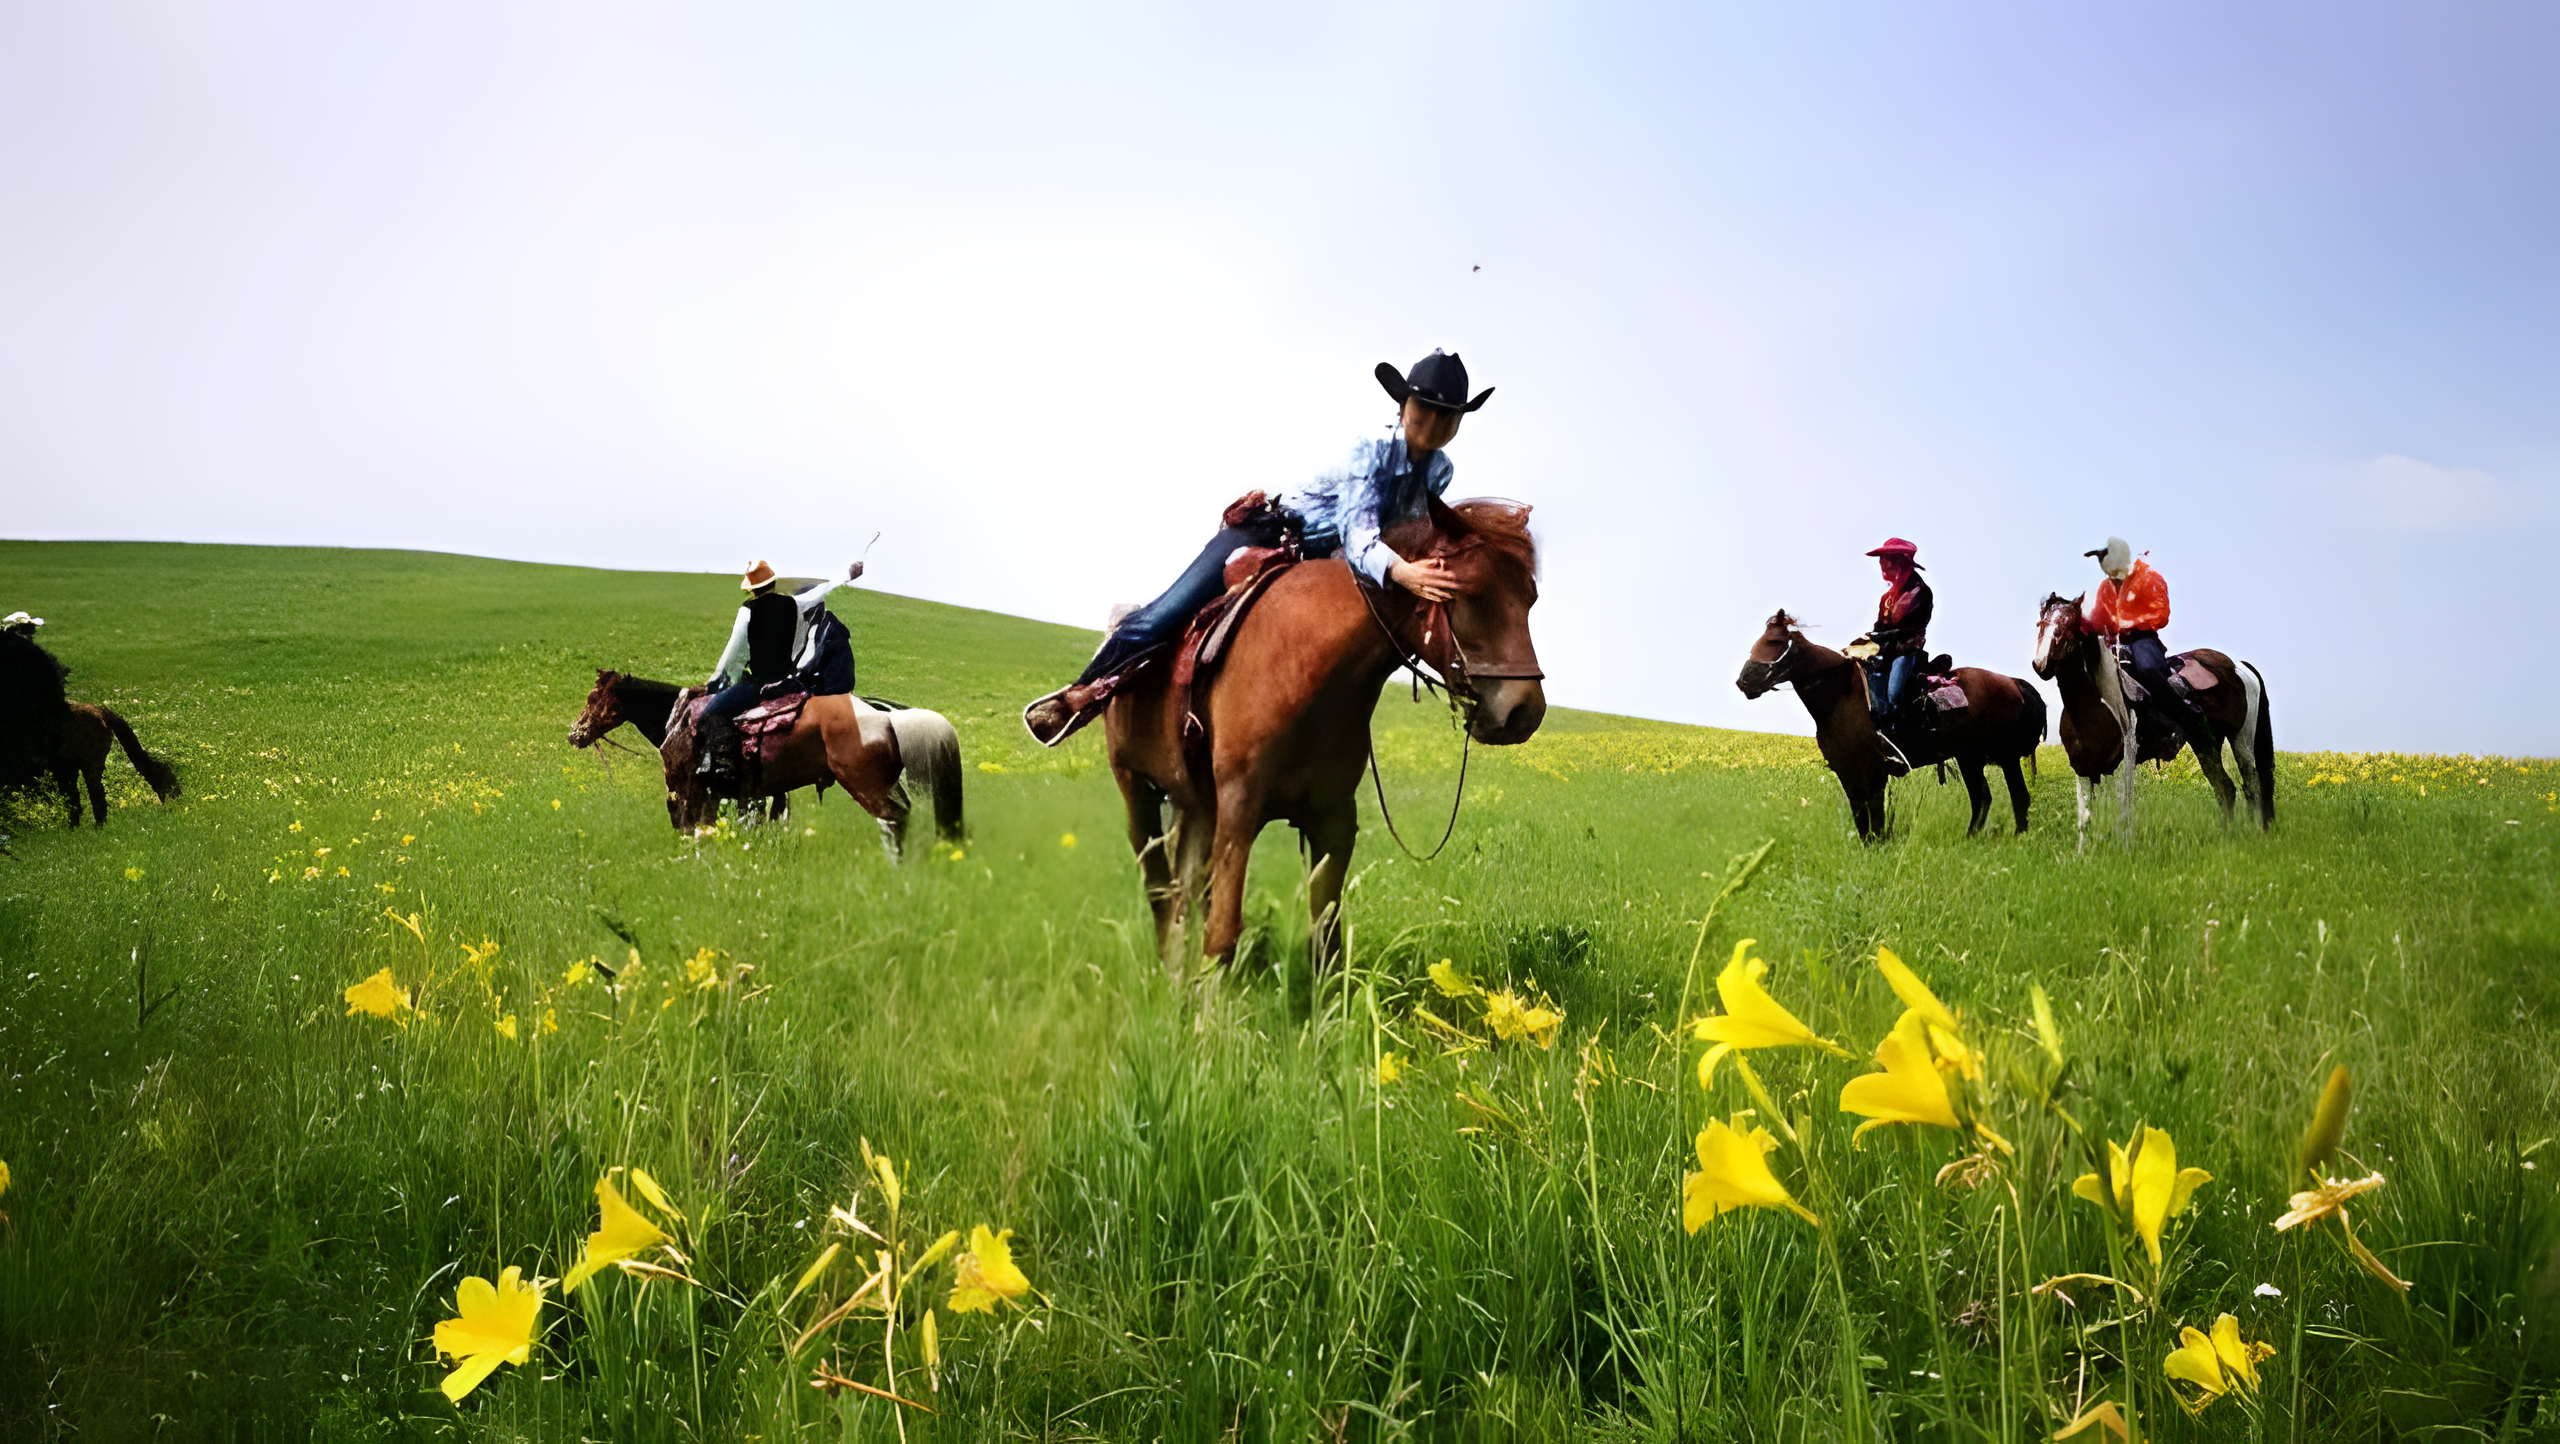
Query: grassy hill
(1279,1207)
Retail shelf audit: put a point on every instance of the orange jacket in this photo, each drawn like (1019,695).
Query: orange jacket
(2139,603)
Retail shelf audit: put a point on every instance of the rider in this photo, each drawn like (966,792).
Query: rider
(2131,607)
(1900,635)
(1339,513)
(764,647)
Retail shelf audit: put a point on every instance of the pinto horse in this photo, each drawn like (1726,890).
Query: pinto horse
(2093,718)
(840,739)
(2002,722)
(1286,717)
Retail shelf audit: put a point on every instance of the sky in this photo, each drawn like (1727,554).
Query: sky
(2271,290)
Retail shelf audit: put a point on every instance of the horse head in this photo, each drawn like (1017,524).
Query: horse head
(602,713)
(1773,656)
(2059,631)
(1492,664)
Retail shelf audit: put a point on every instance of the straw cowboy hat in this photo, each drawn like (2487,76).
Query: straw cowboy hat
(1439,380)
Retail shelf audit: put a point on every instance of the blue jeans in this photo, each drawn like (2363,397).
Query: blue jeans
(731,700)
(1888,690)
(1161,621)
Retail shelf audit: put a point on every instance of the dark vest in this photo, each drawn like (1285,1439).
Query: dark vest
(771,619)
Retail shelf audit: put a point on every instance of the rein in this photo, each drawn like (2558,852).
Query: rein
(1436,616)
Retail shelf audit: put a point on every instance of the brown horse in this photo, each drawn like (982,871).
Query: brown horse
(87,732)
(2093,718)
(2002,721)
(844,740)
(1286,717)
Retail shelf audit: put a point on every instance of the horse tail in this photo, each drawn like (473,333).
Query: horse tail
(930,749)
(2031,722)
(2262,747)
(162,777)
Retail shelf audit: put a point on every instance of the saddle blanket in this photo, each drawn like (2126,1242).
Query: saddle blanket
(1946,694)
(763,728)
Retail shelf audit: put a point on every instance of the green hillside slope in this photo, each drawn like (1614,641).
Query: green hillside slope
(1269,1207)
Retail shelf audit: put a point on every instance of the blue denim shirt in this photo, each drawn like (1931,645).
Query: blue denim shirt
(1374,490)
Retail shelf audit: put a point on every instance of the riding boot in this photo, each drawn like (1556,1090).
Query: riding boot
(1895,763)
(716,742)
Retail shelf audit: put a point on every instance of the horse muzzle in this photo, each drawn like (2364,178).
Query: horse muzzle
(1755,680)
(1507,710)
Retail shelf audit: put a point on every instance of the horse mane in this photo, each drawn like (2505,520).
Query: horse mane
(1499,524)
(624,680)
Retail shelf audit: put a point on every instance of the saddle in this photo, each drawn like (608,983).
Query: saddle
(760,731)
(1196,658)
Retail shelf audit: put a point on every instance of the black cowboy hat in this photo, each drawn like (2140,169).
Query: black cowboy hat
(1439,380)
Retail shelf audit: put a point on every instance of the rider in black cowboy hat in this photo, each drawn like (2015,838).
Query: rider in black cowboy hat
(1339,513)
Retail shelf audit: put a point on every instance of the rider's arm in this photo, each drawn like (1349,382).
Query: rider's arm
(733,658)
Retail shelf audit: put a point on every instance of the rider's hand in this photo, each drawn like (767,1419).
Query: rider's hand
(1428,579)
(854,573)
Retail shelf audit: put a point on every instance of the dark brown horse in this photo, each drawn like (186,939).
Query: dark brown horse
(87,732)
(1287,717)
(843,740)
(2234,702)
(2002,722)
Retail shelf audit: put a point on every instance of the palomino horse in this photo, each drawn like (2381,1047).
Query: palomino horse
(2002,721)
(840,739)
(86,732)
(1286,717)
(2093,719)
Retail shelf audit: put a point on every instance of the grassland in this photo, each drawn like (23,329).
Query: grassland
(238,1212)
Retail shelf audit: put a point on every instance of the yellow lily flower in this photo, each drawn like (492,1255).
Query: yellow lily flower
(507,1027)
(621,1233)
(1751,1018)
(495,1325)
(1451,983)
(4,1178)
(985,1273)
(1946,1034)
(1909,1090)
(380,997)
(2150,1187)
(1390,1068)
(1510,1018)
(2215,1364)
(2329,1200)
(1733,1172)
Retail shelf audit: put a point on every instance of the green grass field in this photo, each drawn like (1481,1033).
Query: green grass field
(236,1211)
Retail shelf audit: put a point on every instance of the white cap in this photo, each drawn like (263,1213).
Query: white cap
(21,619)
(2115,558)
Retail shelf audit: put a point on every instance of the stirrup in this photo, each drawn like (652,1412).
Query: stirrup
(1896,762)
(1058,731)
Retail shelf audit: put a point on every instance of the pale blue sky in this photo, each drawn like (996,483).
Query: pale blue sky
(2273,291)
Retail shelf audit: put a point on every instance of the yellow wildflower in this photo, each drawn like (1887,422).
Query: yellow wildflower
(4,1177)
(551,1020)
(578,972)
(479,957)
(2102,1415)
(1390,1068)
(494,1324)
(1511,1018)
(379,997)
(985,1273)
(2328,1199)
(1946,1034)
(1909,1090)
(2217,1363)
(621,1233)
(1733,1172)
(1751,1018)
(1068,840)
(133,874)
(2150,1187)
(933,1343)
(657,1196)
(1451,983)
(702,970)
(507,1027)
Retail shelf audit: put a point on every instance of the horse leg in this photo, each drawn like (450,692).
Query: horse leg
(97,776)
(1144,802)
(1329,841)
(69,778)
(2080,785)
(1195,834)
(2017,776)
(1239,819)
(1977,790)
(2209,758)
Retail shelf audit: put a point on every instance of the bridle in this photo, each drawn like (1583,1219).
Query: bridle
(1456,681)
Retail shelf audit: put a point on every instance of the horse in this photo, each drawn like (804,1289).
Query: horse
(1282,731)
(867,750)
(2002,722)
(2093,718)
(87,732)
